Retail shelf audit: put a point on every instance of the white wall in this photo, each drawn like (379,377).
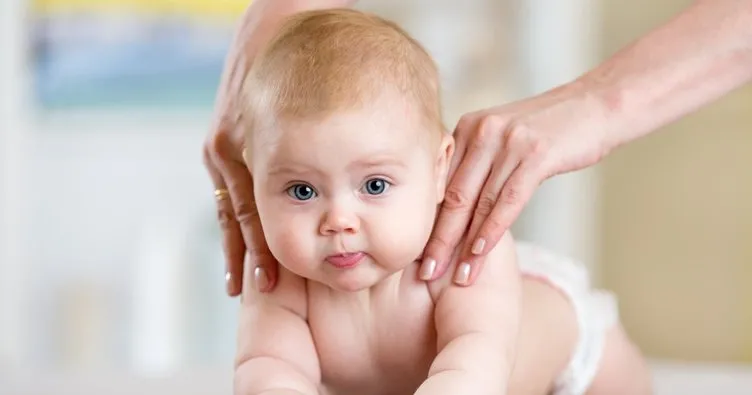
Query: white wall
(13,275)
(558,42)
(104,188)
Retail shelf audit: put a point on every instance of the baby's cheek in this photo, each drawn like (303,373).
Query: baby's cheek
(405,232)
(291,244)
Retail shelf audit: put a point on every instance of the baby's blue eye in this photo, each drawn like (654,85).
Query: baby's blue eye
(376,186)
(301,192)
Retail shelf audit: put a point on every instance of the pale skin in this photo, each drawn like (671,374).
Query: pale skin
(687,63)
(376,328)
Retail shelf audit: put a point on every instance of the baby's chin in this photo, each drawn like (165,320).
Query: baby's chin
(357,280)
(363,278)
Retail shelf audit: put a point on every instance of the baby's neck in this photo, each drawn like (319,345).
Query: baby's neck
(366,297)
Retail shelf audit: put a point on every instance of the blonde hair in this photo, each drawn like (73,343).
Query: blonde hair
(331,60)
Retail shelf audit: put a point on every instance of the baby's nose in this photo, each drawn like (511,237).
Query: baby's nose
(339,220)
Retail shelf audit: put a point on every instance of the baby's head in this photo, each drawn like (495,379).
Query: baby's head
(346,146)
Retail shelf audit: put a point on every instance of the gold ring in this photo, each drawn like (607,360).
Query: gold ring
(221,193)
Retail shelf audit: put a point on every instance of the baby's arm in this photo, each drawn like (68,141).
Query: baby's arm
(477,329)
(478,342)
(276,354)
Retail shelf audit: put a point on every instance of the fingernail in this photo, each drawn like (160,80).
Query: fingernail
(463,274)
(228,283)
(427,268)
(478,246)
(259,278)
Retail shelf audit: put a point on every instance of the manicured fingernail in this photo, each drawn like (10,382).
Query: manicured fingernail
(463,274)
(260,280)
(228,284)
(427,268)
(478,246)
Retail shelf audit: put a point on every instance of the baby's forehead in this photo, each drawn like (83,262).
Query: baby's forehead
(392,122)
(340,139)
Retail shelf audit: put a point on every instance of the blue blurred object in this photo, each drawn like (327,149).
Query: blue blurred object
(129,61)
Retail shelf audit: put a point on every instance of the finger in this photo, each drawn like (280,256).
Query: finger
(515,194)
(456,211)
(464,129)
(232,238)
(460,149)
(240,187)
(487,201)
(471,260)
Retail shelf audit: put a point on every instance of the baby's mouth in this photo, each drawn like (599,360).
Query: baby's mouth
(345,260)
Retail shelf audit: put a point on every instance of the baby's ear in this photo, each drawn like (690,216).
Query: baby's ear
(443,161)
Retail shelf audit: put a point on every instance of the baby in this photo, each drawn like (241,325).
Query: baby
(349,159)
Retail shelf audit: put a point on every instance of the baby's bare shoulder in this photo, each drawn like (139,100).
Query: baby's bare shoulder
(289,293)
(500,270)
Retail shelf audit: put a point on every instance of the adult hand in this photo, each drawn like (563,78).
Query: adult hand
(237,214)
(502,155)
(224,158)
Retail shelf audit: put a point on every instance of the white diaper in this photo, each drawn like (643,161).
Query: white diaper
(596,312)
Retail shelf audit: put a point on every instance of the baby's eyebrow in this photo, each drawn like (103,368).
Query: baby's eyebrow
(378,161)
(287,169)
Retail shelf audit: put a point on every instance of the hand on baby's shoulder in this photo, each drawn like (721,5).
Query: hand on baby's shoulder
(500,269)
(289,293)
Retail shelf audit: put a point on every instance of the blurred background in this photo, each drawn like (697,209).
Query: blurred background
(111,270)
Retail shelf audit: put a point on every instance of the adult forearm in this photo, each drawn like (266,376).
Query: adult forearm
(698,56)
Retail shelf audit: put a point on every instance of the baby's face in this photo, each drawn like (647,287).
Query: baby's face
(349,199)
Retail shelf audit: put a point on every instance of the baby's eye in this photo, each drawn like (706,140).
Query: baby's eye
(301,192)
(376,186)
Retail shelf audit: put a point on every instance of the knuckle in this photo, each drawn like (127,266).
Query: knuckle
(465,122)
(455,199)
(511,196)
(517,135)
(490,124)
(215,143)
(478,143)
(219,143)
(486,204)
(246,212)
(487,131)
(520,137)
(259,254)
(440,243)
(225,216)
